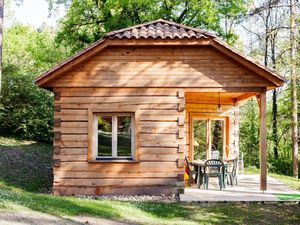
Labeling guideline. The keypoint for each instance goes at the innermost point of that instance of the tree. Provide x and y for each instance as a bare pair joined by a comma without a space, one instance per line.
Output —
293,78
87,20
271,14
1,37
26,111
249,132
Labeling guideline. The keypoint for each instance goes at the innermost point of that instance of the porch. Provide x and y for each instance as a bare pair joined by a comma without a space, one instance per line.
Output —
212,125
247,190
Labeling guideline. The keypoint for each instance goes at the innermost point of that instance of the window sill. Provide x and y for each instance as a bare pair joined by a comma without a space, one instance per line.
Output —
113,161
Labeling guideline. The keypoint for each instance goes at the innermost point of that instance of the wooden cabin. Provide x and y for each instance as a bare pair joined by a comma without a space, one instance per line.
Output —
126,107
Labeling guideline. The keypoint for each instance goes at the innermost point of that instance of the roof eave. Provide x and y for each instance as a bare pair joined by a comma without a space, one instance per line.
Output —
268,74
75,59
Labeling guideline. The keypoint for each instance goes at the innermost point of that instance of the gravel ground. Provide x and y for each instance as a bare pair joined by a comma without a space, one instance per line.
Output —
152,198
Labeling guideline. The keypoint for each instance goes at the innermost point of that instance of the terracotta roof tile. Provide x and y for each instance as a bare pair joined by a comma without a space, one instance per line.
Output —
158,29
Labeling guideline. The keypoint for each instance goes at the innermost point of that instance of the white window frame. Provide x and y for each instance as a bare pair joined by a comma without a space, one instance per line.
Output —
114,136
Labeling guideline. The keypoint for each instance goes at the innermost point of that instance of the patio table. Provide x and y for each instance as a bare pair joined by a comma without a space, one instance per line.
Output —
200,163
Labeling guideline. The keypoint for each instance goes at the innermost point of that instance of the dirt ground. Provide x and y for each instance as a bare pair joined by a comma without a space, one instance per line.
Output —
37,218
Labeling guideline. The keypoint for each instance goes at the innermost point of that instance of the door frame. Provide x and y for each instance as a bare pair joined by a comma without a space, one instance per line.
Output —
200,116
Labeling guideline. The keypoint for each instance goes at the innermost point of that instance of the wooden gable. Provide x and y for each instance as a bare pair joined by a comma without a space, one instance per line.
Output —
161,66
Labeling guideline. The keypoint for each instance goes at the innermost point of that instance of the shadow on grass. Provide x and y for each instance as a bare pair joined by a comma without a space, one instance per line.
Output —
27,166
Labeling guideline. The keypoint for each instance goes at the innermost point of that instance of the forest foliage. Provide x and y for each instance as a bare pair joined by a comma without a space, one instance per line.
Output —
27,111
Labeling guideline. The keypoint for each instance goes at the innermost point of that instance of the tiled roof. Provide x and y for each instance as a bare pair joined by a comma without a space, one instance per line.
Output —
158,29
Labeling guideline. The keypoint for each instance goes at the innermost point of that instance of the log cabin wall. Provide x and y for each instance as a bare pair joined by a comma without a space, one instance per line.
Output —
159,163
152,80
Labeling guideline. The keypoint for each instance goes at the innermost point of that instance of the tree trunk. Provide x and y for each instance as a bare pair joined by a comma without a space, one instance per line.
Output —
274,124
293,91
274,135
1,38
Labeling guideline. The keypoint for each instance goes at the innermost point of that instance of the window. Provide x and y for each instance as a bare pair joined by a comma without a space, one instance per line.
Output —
114,136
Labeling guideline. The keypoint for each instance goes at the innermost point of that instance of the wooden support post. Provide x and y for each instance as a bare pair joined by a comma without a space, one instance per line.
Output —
263,140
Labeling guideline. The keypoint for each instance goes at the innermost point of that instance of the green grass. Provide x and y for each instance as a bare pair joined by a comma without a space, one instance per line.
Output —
26,164
33,160
288,197
290,181
148,212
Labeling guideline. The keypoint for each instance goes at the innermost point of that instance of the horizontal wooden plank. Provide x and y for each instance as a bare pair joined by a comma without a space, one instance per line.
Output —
72,112
158,127
159,143
166,82
162,52
166,118
102,100
71,144
108,92
158,137
119,182
74,137
158,151
110,175
72,130
217,63
159,73
152,190
159,157
159,112
119,167
158,56
73,151
107,105
73,125
72,117
70,158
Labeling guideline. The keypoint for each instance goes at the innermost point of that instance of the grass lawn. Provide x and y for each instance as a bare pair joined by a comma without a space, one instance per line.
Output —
26,162
290,181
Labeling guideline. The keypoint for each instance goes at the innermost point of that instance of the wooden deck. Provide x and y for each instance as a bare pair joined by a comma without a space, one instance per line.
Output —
248,190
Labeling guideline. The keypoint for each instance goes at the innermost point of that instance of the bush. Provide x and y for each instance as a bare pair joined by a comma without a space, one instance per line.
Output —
281,166
25,110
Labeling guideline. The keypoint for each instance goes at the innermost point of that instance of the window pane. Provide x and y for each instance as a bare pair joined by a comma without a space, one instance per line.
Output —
124,135
217,138
200,139
104,136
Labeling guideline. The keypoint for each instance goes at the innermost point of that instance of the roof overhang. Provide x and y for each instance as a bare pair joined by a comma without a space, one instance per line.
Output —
187,37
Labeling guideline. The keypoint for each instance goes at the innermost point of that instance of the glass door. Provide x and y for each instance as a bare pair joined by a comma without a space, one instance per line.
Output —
200,139
208,138
217,138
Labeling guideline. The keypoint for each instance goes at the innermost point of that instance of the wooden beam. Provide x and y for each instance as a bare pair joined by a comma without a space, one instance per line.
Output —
156,42
244,97
225,89
263,141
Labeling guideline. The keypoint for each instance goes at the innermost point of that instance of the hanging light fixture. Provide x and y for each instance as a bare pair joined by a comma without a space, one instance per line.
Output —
219,109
